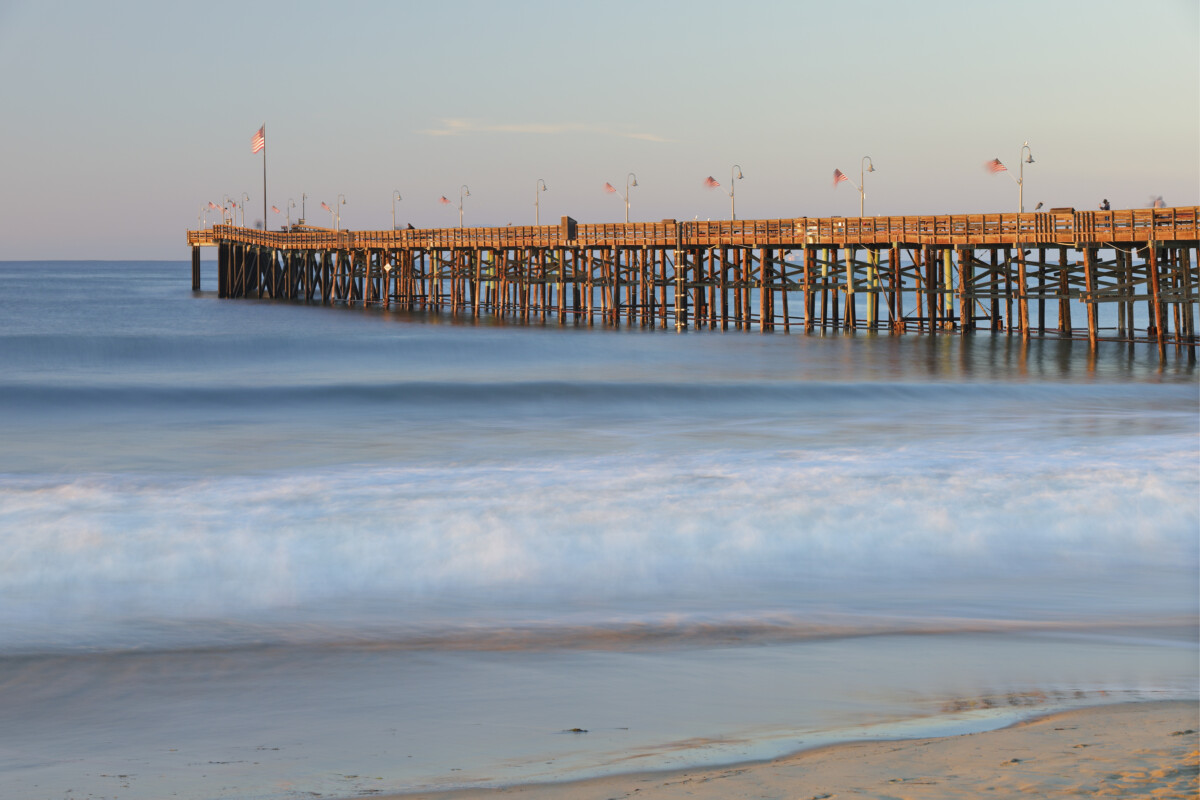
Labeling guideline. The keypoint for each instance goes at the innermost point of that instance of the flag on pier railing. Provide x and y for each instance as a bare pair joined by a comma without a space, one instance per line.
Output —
995,166
838,177
710,182
608,187
259,141
444,201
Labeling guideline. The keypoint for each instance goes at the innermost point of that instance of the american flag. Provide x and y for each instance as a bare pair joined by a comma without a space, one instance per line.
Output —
608,187
276,209
995,166
327,208
838,177
259,141
710,182
444,201
213,205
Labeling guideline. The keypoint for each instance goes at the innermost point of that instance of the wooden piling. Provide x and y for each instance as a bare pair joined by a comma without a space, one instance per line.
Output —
712,272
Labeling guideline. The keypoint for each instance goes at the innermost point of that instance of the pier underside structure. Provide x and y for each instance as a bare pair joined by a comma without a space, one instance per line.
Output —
1124,276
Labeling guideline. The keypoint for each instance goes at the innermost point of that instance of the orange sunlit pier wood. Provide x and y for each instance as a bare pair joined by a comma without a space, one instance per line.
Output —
1127,276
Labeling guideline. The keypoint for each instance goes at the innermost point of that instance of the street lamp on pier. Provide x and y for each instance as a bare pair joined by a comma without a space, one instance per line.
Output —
541,184
462,192
395,196
290,205
341,202
1026,157
862,181
246,199
735,173
627,185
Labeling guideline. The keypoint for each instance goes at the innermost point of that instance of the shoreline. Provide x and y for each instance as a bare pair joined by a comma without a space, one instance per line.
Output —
1136,749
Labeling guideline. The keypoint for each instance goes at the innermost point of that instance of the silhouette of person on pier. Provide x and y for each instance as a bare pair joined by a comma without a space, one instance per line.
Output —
1104,205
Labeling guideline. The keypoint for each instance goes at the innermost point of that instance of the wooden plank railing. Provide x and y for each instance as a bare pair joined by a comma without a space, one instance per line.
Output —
1065,227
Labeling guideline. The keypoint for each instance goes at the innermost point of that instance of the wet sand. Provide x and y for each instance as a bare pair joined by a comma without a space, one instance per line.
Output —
1142,750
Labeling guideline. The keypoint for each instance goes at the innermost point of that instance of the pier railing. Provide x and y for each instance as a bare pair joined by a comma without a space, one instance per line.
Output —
1060,227
1128,275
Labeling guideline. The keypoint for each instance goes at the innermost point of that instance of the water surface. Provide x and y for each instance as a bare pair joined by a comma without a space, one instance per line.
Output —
254,548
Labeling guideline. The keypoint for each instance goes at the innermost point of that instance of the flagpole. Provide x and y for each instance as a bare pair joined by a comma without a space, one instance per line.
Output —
266,227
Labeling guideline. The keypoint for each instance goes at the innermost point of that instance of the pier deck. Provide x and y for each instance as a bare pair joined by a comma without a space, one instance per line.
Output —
1125,275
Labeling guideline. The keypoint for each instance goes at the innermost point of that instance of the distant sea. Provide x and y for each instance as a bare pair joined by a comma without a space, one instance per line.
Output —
269,550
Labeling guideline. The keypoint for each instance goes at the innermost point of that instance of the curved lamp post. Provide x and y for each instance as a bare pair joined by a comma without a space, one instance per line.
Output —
537,196
627,186
246,199
290,205
1026,157
395,196
341,202
862,182
735,172
462,192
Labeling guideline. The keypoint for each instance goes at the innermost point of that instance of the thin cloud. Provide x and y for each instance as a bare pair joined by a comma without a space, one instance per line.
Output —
459,127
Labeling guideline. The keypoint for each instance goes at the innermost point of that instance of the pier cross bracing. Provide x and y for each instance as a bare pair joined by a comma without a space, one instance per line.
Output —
1124,276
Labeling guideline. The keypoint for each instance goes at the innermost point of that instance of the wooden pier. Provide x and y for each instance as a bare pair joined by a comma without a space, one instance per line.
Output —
1123,276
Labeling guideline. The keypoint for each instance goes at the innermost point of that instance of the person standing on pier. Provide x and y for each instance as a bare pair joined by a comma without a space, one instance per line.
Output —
1104,205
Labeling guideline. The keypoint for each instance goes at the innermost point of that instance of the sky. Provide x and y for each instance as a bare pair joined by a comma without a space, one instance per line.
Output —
120,121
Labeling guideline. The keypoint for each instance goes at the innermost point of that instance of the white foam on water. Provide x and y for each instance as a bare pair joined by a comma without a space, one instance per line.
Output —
998,535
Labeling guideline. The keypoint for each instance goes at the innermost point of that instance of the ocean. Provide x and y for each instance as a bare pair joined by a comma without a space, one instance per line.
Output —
267,550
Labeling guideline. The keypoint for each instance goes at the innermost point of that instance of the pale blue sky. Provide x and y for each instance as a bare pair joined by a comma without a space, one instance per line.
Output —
120,120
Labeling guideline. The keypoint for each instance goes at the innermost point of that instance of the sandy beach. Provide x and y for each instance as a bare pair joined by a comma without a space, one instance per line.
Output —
1142,750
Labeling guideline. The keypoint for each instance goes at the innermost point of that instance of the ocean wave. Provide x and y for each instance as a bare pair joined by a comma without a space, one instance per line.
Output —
585,396
1111,530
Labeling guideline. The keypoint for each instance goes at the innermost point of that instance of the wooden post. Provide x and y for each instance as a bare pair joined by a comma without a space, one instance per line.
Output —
896,289
920,292
1122,279
1176,283
476,282
783,291
590,266
966,303
680,291
1089,277
1152,267
834,290
736,264
711,277
764,292
851,318
1041,288
809,304
932,280
1189,320
947,294
1064,290
223,269
616,287
874,284
1022,292
724,289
